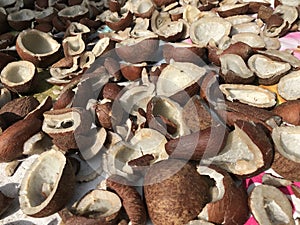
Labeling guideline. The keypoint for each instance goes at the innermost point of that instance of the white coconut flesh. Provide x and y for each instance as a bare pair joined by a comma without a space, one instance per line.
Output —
288,86
98,203
144,6
73,11
287,142
270,206
249,94
284,56
16,73
246,28
41,181
251,39
150,141
170,110
240,155
239,19
235,63
218,190
265,68
177,76
22,15
171,28
209,28
37,43
61,123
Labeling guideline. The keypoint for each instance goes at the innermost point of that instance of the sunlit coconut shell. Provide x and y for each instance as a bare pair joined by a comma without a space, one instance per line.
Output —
184,52
252,39
249,94
73,45
250,27
21,20
95,207
234,69
248,150
288,86
38,47
171,32
158,19
209,28
226,196
135,50
287,158
268,71
47,185
144,9
240,19
117,23
226,10
73,13
19,76
270,206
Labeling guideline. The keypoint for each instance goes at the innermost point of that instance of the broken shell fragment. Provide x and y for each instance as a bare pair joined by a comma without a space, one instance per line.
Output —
175,192
37,47
249,94
63,125
268,71
209,28
117,23
19,76
21,20
234,69
225,196
95,207
47,185
73,45
270,206
131,199
288,86
248,150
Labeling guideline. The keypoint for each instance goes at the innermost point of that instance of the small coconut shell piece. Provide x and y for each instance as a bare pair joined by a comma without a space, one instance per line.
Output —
73,45
171,32
37,47
226,10
144,9
111,91
234,69
47,185
64,125
226,195
209,28
136,50
19,76
95,207
178,80
73,13
175,192
253,40
288,86
249,94
289,111
132,71
268,71
248,150
184,52
287,158
270,206
117,23
131,199
269,179
198,145
21,20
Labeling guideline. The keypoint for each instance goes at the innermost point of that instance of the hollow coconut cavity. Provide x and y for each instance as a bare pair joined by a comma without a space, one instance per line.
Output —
41,183
18,75
270,206
37,43
98,204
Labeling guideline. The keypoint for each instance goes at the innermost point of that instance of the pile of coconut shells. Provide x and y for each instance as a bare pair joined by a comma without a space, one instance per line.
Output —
164,108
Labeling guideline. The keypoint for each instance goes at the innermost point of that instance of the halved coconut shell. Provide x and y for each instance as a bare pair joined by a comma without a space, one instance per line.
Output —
171,32
270,206
226,196
252,39
73,13
136,50
234,69
288,86
37,47
226,10
117,23
268,71
95,207
144,9
46,15
249,94
47,185
19,76
286,140
248,150
209,28
21,20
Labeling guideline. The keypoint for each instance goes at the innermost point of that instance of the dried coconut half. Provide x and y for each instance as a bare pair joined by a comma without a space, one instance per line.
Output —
288,86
